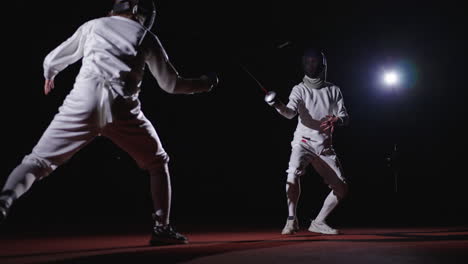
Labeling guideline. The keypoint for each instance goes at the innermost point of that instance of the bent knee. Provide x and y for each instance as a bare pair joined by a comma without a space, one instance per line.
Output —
157,162
340,190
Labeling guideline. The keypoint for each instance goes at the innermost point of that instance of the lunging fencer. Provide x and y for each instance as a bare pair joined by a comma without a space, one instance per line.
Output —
104,102
320,107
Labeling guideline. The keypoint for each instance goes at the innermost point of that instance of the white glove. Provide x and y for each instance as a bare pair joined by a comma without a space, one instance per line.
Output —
270,98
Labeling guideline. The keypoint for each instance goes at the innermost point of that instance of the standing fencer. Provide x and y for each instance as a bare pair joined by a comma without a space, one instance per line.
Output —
320,107
104,101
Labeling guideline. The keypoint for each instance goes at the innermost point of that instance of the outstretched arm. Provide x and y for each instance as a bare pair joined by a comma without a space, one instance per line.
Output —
289,111
167,76
285,111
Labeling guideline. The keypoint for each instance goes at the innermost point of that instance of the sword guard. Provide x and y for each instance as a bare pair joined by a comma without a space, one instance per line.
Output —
270,97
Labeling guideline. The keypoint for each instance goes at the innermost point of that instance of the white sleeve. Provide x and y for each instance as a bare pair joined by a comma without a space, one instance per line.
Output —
340,110
284,110
295,98
290,110
165,73
66,53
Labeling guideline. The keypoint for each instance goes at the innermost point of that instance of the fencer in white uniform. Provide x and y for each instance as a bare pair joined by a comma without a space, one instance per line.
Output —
320,107
104,101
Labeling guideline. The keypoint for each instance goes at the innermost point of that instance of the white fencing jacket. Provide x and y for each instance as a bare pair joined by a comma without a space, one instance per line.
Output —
112,48
313,100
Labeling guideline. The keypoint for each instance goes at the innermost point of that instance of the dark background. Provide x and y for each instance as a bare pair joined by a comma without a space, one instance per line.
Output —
229,150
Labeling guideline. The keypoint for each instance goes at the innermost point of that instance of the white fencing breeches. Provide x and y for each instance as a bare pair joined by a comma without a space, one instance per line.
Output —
92,109
327,166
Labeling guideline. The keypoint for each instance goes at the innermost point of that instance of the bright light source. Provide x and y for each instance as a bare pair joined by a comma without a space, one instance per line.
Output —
391,78
394,76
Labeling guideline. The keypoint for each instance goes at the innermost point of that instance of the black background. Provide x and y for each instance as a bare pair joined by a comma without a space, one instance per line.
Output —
229,150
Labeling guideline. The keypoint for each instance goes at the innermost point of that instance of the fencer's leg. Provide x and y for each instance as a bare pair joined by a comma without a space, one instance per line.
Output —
329,205
3,210
319,225
328,167
19,182
74,126
161,193
138,137
296,167
338,193
293,192
297,163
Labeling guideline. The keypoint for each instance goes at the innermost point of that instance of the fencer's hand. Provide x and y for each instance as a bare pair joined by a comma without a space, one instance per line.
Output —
212,80
270,98
328,123
48,86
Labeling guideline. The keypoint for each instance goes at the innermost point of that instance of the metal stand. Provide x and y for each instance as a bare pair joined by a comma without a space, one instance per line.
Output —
392,160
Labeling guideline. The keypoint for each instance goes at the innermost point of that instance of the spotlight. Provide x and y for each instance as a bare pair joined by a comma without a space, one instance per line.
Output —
391,78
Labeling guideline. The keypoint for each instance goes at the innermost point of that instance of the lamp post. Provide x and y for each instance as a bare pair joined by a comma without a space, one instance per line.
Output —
392,80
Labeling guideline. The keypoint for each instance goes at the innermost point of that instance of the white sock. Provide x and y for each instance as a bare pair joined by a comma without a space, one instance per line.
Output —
19,181
293,191
328,205
161,193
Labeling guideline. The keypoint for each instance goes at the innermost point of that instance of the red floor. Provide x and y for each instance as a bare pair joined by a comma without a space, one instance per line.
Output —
396,245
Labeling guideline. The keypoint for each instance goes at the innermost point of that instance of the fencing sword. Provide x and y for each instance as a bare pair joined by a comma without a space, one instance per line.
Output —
270,95
255,79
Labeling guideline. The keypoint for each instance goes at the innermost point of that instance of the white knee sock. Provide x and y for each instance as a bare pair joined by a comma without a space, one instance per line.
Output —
161,193
293,191
19,181
328,205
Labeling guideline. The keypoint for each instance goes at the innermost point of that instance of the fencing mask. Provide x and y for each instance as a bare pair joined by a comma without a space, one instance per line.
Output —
143,10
